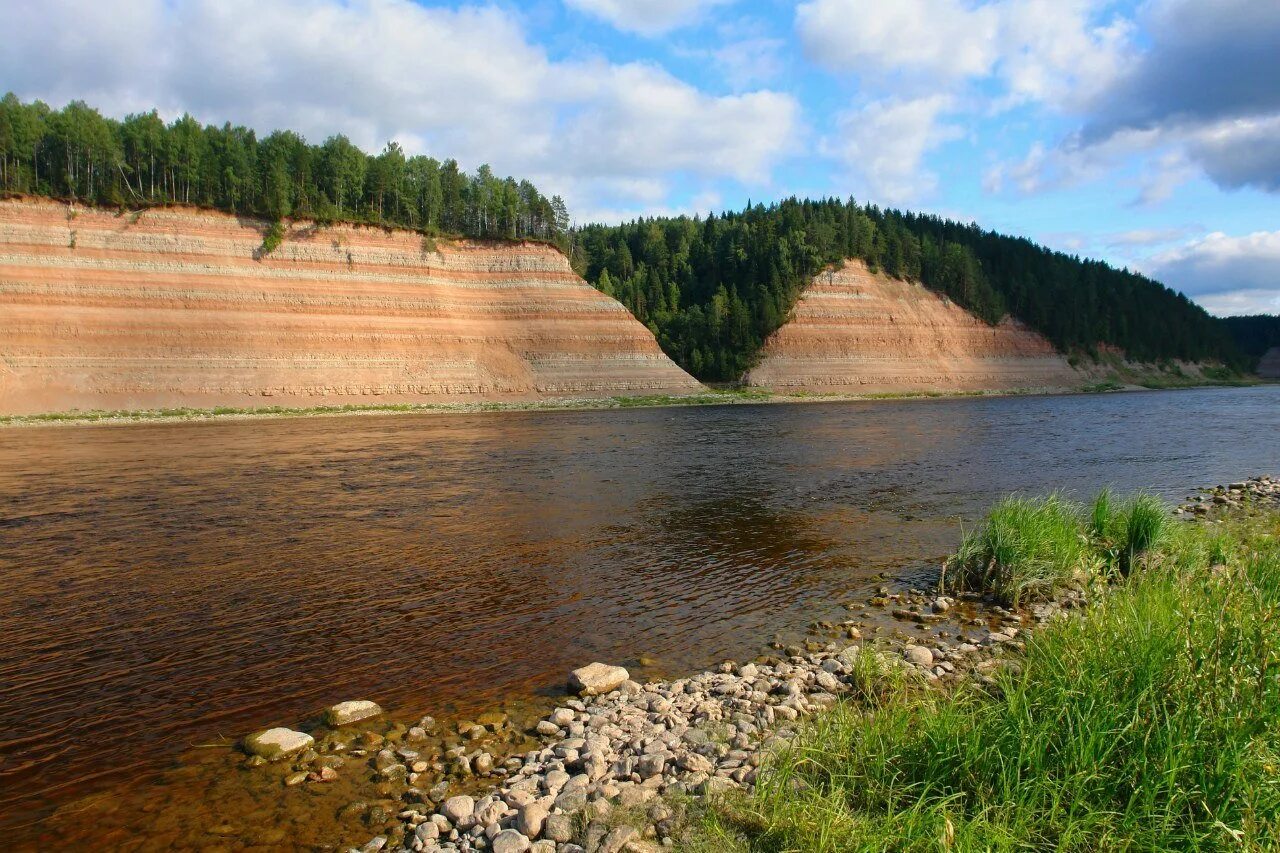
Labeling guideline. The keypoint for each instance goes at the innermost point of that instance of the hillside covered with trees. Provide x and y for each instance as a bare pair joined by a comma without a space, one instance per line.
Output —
1254,334
77,153
713,289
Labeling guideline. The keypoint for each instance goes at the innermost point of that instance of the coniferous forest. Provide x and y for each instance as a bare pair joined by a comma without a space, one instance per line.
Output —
1254,334
77,153
713,289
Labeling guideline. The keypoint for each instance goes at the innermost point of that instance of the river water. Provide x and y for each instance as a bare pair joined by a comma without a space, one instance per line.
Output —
162,585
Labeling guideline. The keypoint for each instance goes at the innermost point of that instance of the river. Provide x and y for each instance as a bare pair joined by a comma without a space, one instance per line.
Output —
165,584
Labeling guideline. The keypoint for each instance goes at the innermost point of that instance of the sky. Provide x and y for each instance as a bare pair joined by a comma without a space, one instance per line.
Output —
1143,133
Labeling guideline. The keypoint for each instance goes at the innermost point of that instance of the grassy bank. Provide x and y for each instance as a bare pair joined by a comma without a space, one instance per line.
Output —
1149,722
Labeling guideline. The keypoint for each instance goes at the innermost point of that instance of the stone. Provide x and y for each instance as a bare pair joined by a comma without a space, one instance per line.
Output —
295,778
346,713
918,655
617,839
530,819
458,808
561,717
651,764
274,744
509,841
558,827
596,679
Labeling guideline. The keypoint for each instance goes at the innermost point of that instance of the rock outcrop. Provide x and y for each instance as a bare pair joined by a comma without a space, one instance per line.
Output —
179,307
854,331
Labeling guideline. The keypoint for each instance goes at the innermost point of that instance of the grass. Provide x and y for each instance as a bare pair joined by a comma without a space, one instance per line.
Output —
1025,550
713,397
1149,722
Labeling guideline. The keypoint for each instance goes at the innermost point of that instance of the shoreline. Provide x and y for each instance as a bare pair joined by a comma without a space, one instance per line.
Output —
712,397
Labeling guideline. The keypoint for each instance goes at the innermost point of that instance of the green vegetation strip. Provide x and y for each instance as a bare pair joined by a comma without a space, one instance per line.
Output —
1149,722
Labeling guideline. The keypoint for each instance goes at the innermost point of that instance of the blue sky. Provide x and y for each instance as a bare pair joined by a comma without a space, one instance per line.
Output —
1146,133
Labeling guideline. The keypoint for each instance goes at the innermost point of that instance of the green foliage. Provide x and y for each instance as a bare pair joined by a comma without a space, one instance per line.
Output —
271,238
1254,335
1149,722
77,153
1025,549
713,289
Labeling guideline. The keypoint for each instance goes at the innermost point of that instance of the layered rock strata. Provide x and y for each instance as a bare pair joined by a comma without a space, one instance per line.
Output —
854,331
180,307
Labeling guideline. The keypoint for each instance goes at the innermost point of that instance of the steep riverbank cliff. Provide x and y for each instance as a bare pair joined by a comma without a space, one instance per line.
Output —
179,307
854,331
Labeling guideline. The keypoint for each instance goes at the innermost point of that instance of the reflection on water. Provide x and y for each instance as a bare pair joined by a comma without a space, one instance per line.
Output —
162,584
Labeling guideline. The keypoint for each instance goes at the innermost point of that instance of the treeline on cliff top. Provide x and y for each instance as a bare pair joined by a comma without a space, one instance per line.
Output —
713,289
77,153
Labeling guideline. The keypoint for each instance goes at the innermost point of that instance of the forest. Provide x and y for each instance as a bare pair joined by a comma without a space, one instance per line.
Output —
1254,334
76,153
713,289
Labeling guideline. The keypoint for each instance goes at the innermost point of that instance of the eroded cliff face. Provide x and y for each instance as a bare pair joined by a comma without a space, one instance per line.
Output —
855,332
174,307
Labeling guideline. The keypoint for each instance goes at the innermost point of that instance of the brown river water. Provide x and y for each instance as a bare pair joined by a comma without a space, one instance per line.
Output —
163,586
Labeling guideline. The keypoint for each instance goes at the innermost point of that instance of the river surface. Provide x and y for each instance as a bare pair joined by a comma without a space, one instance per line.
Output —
162,585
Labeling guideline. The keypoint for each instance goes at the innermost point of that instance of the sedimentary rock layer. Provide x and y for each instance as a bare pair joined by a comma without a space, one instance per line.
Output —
178,307
854,331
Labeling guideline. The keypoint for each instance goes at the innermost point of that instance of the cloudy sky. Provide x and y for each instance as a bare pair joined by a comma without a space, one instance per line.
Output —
1146,133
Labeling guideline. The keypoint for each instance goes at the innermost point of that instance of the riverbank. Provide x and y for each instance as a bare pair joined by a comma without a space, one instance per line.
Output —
1086,620
712,397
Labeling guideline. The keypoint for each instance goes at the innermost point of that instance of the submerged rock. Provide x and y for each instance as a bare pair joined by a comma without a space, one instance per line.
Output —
273,744
596,679
345,713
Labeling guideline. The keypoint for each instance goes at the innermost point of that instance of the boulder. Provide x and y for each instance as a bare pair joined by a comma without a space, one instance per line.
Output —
346,713
509,841
918,655
273,744
458,809
596,679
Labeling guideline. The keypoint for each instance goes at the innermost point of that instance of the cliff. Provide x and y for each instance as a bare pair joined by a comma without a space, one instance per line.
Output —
853,331
175,307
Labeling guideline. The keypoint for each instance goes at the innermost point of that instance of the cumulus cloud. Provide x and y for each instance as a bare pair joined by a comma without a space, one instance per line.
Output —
939,37
466,83
1223,273
1201,98
1042,50
647,17
884,143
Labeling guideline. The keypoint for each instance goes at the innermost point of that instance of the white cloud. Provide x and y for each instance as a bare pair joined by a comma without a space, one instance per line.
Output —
463,83
939,37
1201,94
884,144
1040,50
1223,273
647,17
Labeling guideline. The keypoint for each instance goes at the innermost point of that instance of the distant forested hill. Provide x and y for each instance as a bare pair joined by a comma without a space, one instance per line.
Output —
1254,335
713,289
77,153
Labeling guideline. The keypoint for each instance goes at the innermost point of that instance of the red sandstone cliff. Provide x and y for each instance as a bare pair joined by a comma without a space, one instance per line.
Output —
170,307
854,331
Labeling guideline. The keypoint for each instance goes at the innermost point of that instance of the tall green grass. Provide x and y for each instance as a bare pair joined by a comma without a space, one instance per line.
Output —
1028,548
1024,550
1149,722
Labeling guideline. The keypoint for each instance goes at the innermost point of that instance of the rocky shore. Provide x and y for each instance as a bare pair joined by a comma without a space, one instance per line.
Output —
612,768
